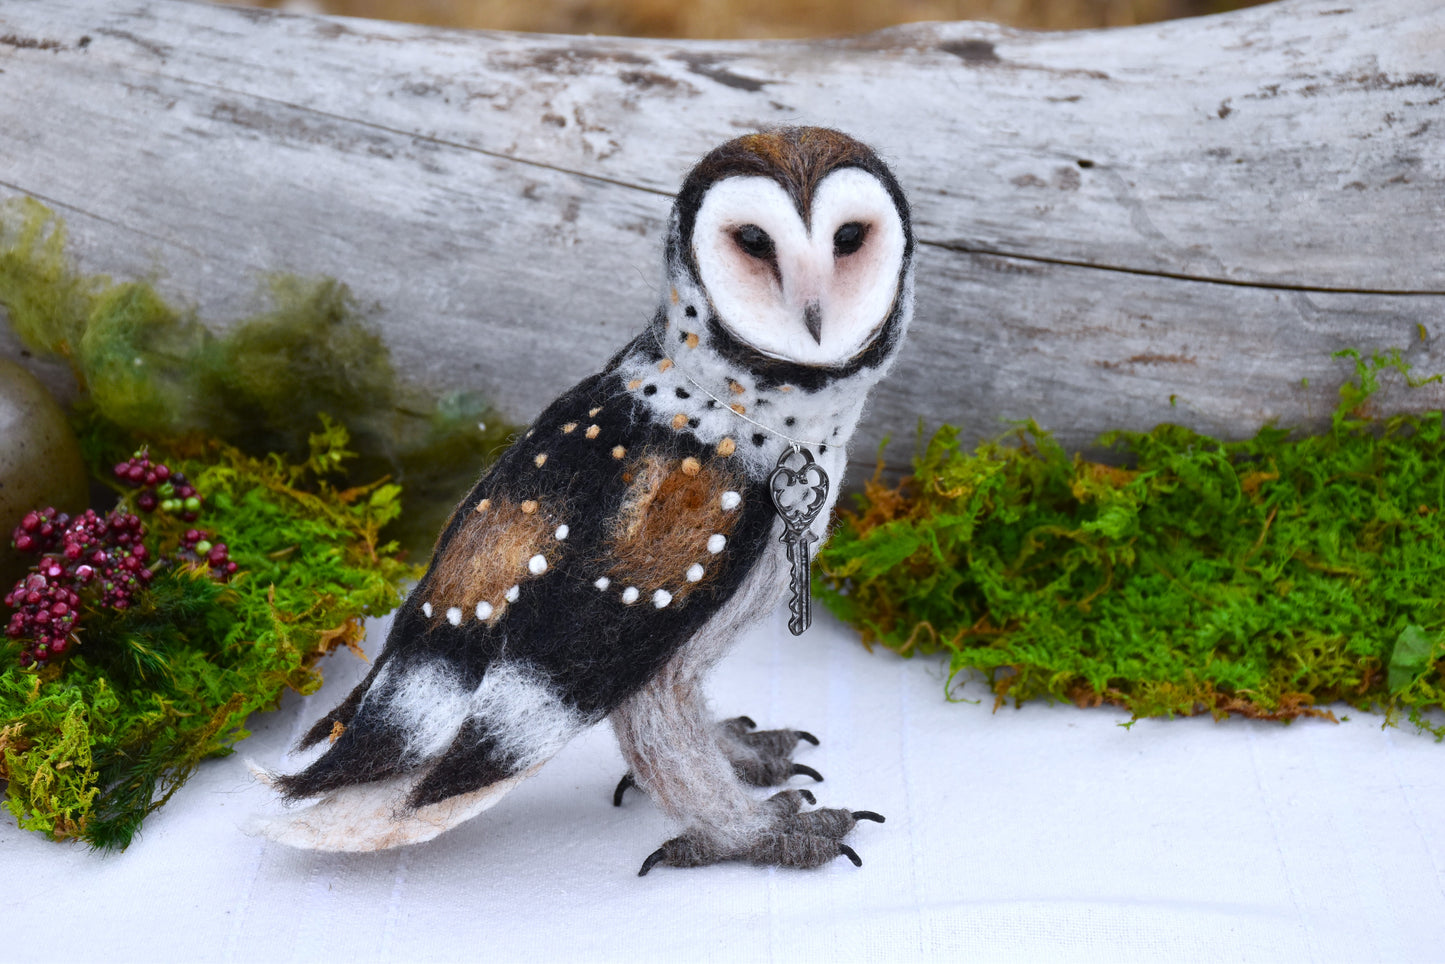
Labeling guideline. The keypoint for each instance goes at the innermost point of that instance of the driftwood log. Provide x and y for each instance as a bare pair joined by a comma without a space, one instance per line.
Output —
1176,222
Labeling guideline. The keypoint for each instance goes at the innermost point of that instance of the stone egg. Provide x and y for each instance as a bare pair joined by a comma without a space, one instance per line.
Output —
40,462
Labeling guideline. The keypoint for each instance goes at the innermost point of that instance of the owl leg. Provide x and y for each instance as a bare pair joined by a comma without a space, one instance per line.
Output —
672,747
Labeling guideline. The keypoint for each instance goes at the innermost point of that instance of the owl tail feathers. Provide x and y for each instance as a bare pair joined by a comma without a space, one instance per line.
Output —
372,816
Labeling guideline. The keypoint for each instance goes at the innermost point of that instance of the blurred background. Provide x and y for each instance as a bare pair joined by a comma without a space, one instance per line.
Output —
751,18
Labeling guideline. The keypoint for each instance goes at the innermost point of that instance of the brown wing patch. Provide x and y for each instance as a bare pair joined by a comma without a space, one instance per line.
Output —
491,553
671,510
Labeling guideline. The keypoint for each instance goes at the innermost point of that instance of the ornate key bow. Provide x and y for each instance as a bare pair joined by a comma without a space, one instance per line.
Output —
799,488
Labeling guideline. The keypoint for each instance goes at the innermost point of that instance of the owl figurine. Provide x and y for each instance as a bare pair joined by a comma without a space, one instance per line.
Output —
653,512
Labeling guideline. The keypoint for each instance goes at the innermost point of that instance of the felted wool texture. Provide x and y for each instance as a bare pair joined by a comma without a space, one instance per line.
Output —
762,758
590,646
630,534
374,816
669,737
498,545
760,298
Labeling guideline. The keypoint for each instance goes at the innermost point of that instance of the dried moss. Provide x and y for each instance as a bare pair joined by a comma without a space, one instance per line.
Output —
90,745
161,373
1264,578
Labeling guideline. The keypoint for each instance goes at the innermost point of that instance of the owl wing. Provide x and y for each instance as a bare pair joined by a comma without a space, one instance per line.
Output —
596,546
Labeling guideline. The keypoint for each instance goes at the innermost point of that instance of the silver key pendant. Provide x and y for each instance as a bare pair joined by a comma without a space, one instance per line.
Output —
799,488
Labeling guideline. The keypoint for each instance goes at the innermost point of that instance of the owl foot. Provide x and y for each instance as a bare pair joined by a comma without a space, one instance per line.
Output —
791,838
761,758
764,758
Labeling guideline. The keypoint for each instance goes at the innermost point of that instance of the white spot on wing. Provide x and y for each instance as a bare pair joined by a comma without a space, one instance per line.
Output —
537,564
454,616
629,595
661,598
426,610
603,583
484,610
730,501
562,531
694,572
513,593
715,542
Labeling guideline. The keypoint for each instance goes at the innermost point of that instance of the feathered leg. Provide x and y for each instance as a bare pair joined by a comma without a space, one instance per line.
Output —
671,744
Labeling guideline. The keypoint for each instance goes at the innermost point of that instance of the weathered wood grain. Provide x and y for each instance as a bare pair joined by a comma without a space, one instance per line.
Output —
1173,222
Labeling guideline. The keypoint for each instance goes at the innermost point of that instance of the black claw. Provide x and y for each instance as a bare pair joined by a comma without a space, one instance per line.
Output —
867,815
748,722
843,849
622,786
805,735
807,795
657,855
807,771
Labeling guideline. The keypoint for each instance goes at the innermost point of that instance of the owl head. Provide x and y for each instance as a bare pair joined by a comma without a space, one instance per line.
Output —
791,253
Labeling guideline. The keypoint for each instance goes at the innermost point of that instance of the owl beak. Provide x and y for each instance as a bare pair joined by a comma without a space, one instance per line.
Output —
813,319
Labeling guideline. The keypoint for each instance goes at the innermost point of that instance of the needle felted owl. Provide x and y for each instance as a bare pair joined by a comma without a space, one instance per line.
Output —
652,512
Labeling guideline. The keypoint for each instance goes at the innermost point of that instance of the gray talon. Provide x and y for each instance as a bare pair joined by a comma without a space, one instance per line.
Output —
808,796
850,853
867,815
800,769
747,721
805,735
622,785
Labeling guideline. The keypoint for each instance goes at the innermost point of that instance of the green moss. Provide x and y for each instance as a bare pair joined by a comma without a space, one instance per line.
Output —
93,743
162,374
1264,578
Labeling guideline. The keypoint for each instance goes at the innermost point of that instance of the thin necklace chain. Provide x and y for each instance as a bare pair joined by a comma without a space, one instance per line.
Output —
795,443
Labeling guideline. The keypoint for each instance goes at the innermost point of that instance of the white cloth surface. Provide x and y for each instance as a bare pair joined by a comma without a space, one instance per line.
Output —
1041,833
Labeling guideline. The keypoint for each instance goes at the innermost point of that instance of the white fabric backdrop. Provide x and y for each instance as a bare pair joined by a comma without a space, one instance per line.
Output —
1041,833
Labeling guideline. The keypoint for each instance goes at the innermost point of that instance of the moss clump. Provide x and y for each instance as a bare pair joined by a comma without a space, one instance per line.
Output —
91,744
161,373
1262,578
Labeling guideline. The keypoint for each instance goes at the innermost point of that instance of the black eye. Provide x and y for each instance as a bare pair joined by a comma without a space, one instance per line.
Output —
849,238
755,241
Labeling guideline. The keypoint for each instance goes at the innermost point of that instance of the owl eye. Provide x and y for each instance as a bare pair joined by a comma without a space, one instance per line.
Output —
849,238
755,241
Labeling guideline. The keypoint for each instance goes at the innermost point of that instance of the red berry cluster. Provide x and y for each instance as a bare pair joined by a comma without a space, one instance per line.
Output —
197,542
103,556
165,490
45,612
40,531
104,551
